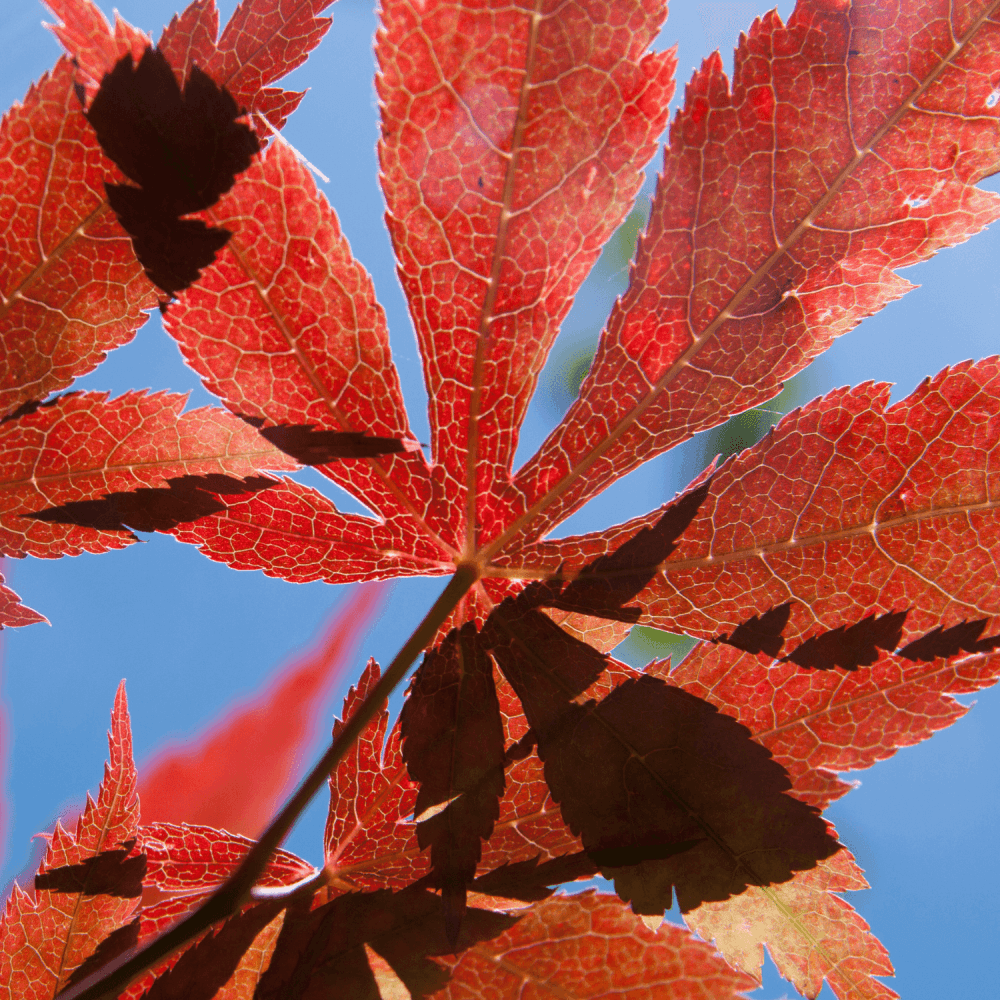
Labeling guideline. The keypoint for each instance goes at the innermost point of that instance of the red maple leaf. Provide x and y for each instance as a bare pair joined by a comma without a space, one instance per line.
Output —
843,569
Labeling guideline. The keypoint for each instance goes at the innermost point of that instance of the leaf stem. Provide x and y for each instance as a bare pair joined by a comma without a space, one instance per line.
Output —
236,891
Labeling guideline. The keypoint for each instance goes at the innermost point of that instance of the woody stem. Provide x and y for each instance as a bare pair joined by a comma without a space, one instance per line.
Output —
232,894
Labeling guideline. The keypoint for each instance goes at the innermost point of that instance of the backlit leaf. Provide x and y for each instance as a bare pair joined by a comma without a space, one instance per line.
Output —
88,884
588,947
87,447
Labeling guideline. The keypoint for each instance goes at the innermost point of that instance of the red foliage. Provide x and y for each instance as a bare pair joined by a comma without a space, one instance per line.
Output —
235,774
842,571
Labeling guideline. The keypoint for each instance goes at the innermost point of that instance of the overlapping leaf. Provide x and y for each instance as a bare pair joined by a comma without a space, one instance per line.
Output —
87,886
810,933
667,795
96,453
453,744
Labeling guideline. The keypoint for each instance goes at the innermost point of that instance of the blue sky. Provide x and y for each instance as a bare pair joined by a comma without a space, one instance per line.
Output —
191,635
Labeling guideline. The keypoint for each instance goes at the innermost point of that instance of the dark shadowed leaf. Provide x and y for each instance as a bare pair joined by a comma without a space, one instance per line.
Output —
185,499
607,584
312,447
963,637
762,633
321,953
668,795
183,148
453,744
172,251
110,873
207,966
851,646
653,767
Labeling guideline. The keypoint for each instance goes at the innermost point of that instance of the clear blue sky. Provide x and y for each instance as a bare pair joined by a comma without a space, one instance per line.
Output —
191,635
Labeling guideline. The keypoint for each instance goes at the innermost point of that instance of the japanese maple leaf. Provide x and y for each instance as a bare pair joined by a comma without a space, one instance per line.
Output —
71,287
847,145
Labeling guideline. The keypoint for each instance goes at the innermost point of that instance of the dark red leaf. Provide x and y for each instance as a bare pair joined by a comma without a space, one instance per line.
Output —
186,498
172,251
115,944
761,633
947,642
207,966
110,873
322,952
453,744
679,794
603,587
851,646
184,150
817,723
314,447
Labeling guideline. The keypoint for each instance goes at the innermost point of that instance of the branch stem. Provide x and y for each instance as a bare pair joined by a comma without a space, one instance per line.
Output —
236,891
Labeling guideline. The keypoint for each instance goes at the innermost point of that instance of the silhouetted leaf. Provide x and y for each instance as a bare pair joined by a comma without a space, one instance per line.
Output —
653,770
453,744
312,447
533,880
851,646
609,582
963,637
206,966
762,633
321,952
172,251
110,873
186,498
184,150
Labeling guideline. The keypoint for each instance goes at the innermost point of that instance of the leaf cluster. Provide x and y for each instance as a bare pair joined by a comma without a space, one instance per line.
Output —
824,571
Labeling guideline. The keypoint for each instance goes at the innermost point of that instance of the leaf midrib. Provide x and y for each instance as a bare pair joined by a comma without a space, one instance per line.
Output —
871,528
486,312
